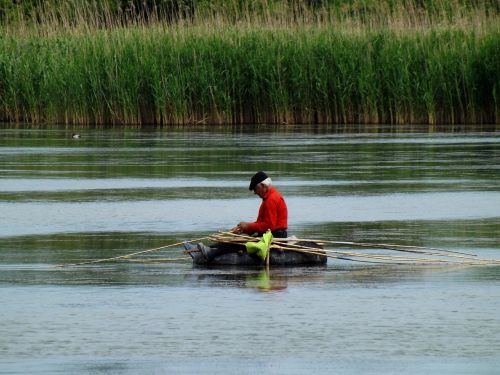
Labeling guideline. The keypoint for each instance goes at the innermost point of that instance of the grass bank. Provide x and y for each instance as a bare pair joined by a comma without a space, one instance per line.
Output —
265,70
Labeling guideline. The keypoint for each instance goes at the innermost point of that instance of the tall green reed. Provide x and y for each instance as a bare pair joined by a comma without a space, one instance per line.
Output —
157,75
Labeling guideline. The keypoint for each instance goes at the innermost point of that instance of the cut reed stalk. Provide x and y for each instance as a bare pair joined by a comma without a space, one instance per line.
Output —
396,247
387,258
284,244
390,259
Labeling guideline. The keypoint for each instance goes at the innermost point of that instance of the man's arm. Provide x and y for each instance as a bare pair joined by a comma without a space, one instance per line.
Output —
268,216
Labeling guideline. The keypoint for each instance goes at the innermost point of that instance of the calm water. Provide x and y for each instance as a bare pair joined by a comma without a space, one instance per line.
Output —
114,192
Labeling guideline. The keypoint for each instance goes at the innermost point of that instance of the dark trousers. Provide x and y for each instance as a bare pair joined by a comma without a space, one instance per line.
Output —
280,233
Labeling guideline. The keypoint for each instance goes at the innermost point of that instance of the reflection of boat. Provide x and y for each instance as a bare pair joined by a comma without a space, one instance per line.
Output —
221,254
259,278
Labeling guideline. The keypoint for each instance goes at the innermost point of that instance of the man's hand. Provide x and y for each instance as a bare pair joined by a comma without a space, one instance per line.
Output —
241,228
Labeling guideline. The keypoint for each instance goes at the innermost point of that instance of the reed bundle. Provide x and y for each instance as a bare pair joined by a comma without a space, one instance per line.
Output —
419,254
427,255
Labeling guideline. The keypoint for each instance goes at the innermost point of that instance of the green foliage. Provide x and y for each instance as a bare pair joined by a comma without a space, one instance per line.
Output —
153,75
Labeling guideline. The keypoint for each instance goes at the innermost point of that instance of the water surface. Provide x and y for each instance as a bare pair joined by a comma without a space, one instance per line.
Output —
117,191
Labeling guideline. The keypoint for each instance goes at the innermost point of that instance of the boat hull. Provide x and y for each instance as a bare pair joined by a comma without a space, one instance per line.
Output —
237,256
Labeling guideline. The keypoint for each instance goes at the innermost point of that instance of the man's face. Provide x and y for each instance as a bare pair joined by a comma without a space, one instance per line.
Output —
260,190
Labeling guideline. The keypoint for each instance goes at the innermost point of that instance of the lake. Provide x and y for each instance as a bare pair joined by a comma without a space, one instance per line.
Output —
117,191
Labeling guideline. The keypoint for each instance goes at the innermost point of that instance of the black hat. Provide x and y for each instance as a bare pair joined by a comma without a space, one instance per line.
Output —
257,179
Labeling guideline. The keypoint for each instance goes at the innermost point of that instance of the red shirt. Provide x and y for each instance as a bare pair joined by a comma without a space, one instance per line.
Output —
273,213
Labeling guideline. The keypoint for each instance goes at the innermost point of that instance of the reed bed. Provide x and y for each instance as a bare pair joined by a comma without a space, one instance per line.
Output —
278,64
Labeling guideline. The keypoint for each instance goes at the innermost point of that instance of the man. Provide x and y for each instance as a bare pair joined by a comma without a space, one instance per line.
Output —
273,212
273,215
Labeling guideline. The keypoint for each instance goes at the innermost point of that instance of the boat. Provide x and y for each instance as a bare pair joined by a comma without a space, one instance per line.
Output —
222,254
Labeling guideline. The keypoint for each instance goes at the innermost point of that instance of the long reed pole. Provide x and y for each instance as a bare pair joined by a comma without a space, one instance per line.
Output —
360,244
131,254
445,253
284,244
392,258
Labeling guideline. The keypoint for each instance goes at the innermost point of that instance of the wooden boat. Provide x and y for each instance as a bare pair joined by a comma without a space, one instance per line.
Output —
235,255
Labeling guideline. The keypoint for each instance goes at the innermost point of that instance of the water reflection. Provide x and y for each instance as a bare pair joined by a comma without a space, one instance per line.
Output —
260,279
265,283
337,273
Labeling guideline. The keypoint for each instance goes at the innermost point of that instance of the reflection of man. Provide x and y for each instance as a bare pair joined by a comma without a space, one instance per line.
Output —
273,213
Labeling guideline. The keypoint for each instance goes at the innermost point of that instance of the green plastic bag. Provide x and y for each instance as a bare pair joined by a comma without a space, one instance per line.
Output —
260,248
